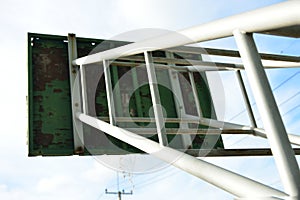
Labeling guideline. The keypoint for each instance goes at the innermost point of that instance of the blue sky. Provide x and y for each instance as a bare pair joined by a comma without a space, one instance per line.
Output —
83,177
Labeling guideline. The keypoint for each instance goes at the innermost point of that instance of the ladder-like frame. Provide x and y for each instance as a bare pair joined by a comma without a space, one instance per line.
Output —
276,19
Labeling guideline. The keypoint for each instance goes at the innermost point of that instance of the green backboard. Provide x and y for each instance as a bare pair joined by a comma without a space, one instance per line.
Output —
50,111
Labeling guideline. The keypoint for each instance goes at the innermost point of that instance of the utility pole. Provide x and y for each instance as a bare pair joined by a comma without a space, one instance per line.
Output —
119,193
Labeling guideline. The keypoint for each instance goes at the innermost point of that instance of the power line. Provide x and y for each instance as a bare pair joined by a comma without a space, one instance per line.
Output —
238,141
274,89
119,193
289,46
286,101
285,81
292,109
290,98
155,179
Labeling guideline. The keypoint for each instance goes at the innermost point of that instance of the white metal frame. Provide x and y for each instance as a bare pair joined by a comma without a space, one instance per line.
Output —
241,26
180,109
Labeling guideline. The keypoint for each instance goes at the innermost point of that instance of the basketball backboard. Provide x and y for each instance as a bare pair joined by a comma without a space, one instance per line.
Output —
51,128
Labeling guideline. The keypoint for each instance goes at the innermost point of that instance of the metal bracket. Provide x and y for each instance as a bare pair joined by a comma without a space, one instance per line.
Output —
75,96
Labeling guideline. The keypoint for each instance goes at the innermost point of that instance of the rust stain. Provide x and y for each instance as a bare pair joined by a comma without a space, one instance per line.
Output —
43,139
57,90
38,98
41,109
49,66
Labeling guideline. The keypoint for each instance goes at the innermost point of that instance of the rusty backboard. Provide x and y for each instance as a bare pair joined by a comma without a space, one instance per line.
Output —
49,97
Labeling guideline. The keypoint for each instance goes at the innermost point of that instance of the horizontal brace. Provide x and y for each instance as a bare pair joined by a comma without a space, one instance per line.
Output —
176,61
189,119
204,66
215,65
195,65
148,119
174,131
232,152
224,127
294,139
230,53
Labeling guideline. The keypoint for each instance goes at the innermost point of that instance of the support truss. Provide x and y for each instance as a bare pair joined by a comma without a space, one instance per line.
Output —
280,19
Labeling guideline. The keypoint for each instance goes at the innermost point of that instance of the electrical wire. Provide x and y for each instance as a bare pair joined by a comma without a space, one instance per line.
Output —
157,177
288,47
292,109
285,81
274,89
284,102
238,141
100,196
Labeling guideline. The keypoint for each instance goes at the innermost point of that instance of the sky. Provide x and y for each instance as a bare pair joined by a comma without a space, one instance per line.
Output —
84,177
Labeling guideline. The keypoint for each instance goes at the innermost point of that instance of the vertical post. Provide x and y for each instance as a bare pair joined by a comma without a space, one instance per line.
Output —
75,97
119,195
246,99
109,92
83,90
281,148
180,109
195,93
158,113
138,99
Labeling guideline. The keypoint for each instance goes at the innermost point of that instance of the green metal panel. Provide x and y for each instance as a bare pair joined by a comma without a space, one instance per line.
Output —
50,116
50,124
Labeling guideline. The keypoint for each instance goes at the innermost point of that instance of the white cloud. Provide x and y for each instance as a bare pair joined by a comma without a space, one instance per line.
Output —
52,184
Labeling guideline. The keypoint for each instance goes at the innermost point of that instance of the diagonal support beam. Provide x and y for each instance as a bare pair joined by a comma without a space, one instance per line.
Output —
283,154
157,108
246,98
231,182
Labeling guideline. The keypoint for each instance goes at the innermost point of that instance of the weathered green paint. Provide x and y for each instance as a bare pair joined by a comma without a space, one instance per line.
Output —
50,118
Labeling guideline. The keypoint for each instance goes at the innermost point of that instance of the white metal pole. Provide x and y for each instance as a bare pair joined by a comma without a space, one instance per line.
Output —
264,19
231,182
195,94
294,139
157,108
83,89
75,95
246,98
179,104
109,92
281,148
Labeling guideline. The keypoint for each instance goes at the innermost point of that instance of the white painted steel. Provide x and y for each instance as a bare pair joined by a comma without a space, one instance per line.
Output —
195,94
294,139
75,98
156,104
272,17
179,104
109,92
281,148
246,99
83,89
265,19
231,182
